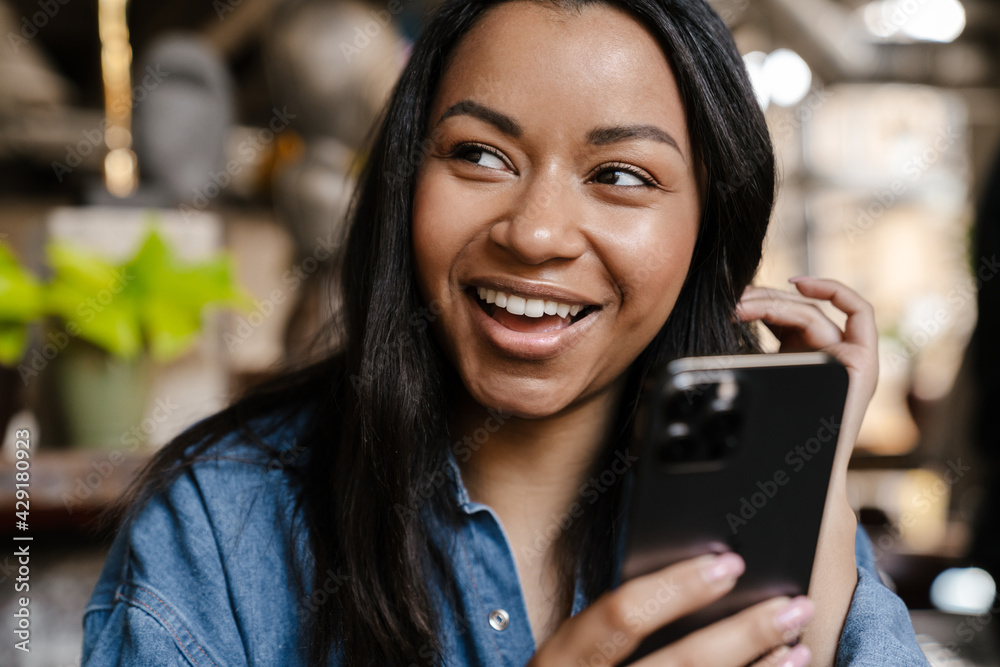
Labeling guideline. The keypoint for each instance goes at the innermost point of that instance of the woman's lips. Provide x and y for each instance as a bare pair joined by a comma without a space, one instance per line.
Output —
533,338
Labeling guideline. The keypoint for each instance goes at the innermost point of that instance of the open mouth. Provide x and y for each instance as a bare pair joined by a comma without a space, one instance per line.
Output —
526,314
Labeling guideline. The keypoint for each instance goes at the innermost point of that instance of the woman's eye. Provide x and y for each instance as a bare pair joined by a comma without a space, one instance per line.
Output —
619,177
481,157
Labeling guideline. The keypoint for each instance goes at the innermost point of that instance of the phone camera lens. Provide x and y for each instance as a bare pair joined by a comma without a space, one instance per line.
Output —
722,429
678,430
687,402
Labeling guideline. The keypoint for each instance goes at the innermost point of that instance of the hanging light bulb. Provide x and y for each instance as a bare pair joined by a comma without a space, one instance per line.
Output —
787,77
936,21
120,165
927,20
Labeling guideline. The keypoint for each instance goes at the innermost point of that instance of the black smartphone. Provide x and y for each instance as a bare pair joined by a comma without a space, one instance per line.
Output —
734,454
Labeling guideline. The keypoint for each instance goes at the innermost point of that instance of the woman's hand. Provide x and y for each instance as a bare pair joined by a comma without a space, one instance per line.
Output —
610,629
801,326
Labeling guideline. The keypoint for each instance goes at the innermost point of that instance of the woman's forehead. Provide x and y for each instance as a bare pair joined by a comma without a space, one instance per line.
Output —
595,65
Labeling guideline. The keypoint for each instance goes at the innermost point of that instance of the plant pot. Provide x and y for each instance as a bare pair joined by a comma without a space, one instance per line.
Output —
102,396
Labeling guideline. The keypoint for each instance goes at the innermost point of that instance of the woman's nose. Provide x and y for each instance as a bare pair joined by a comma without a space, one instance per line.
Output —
544,222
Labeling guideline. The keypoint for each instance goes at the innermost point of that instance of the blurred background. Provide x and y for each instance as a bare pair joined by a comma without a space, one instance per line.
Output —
172,181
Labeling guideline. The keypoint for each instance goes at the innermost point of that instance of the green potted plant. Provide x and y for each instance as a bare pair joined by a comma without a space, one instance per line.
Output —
20,305
118,319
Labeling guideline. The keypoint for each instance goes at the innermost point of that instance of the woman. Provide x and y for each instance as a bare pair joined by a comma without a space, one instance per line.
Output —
559,196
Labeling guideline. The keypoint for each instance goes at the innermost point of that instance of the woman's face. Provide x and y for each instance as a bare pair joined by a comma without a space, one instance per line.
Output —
559,178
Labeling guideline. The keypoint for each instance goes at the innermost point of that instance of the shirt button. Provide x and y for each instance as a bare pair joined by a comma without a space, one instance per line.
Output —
499,619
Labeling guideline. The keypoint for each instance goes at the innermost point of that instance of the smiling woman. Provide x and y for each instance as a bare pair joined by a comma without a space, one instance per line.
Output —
576,191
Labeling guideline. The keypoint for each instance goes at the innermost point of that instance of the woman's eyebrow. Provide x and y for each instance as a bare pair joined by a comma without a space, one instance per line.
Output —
501,121
609,135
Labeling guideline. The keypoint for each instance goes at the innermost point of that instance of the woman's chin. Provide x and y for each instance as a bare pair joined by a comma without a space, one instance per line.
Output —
525,403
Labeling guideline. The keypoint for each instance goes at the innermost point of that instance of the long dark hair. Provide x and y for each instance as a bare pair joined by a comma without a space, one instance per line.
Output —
377,431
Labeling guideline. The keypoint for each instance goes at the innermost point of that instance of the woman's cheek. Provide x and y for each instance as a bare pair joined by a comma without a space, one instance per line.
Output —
434,234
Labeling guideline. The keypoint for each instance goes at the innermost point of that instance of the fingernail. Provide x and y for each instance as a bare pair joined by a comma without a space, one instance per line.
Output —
795,614
796,279
723,566
798,657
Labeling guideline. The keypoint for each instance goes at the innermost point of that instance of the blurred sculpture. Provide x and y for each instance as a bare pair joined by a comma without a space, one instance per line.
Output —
333,65
182,118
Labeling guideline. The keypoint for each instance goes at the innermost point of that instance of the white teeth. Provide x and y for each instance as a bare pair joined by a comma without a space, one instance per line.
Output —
534,308
515,304
519,305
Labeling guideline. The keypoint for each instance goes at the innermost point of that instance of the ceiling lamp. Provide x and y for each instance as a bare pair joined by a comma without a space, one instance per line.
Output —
781,76
919,20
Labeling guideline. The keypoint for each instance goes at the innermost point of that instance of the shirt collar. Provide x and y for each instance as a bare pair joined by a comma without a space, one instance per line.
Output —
459,493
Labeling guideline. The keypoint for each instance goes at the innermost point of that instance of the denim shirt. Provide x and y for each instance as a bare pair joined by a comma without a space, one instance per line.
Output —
203,576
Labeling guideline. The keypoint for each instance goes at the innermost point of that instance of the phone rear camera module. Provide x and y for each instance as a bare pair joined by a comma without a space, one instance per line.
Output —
700,423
